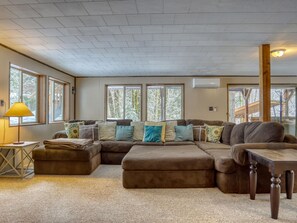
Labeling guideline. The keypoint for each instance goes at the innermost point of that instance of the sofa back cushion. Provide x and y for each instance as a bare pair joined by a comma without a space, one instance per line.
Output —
163,124
152,133
138,130
88,132
226,134
170,131
237,134
120,121
107,131
124,133
202,122
257,132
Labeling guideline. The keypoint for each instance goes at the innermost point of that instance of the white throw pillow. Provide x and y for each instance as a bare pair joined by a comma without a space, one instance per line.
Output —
107,131
170,131
138,130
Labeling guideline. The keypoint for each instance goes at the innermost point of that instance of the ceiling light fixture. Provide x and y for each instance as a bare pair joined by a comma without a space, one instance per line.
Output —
278,52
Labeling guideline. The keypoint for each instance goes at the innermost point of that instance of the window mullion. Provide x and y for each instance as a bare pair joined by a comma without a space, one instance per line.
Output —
54,101
124,108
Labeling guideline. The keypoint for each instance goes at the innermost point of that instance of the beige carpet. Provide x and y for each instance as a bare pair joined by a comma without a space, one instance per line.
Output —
100,197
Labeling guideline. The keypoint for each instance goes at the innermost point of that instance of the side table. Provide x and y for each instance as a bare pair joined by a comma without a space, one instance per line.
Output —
278,162
16,159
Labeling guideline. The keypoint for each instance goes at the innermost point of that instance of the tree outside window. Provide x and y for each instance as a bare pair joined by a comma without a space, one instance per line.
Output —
164,102
24,88
124,102
56,100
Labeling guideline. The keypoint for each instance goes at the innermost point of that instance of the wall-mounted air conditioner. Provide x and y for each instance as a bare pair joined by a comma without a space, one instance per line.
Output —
206,83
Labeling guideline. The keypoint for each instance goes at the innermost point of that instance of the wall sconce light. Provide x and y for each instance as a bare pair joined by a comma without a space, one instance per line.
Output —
278,52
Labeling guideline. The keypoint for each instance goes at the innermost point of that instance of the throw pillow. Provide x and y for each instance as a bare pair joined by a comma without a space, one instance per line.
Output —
163,124
184,133
107,131
72,129
138,130
213,133
170,131
88,132
152,133
199,133
124,133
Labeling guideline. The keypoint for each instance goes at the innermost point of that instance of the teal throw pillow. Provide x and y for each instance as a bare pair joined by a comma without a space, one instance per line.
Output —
124,133
184,133
152,133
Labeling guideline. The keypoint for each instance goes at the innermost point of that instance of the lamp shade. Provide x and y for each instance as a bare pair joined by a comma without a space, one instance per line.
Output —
18,109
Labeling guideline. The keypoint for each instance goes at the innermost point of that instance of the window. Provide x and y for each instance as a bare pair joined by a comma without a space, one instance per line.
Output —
164,102
244,105
56,95
124,102
24,87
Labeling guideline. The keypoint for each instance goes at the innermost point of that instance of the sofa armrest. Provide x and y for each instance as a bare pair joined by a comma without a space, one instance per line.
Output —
60,134
290,138
240,156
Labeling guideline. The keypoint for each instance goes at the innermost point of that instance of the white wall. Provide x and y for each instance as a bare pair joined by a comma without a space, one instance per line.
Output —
91,93
34,132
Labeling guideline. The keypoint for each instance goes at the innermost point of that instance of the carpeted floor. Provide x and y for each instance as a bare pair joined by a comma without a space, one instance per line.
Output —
100,197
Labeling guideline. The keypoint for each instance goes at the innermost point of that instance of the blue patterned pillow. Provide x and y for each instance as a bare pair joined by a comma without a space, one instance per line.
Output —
152,133
184,133
124,133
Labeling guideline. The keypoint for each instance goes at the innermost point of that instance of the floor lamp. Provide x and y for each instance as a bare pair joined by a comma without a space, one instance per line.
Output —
18,109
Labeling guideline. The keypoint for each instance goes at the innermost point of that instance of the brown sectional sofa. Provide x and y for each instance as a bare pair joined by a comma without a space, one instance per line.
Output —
150,165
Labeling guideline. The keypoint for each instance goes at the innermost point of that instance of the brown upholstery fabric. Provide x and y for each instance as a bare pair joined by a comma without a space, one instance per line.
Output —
86,122
188,157
237,134
179,143
226,134
112,158
148,143
290,138
116,146
256,132
59,167
168,179
66,155
202,122
210,145
223,160
120,121
181,122
240,155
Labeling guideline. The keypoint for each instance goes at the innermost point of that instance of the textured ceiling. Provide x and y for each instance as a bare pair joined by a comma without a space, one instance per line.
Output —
152,37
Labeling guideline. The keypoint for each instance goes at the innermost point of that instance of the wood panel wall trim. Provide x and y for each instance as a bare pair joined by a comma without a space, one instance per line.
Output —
264,82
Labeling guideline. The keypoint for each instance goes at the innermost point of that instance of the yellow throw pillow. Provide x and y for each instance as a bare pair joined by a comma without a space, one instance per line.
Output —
163,124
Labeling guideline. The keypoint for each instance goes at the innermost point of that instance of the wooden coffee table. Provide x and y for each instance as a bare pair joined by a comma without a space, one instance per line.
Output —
278,162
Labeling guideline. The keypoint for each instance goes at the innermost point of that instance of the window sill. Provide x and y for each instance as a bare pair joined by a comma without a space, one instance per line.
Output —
29,124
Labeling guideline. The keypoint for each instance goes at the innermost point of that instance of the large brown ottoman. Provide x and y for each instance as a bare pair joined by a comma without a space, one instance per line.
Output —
167,167
70,162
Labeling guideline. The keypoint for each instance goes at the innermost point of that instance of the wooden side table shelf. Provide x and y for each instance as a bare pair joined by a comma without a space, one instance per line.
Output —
278,162
16,159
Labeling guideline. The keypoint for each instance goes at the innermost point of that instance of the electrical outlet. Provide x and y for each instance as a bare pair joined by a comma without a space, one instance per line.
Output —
1,102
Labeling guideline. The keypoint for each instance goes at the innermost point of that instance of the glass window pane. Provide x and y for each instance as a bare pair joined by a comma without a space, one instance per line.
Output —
115,102
15,90
133,103
29,97
59,102
51,100
174,102
154,103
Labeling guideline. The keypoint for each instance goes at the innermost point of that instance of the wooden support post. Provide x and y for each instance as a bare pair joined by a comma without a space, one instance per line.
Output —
264,82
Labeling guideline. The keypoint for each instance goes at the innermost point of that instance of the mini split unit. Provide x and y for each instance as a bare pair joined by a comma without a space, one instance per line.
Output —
206,83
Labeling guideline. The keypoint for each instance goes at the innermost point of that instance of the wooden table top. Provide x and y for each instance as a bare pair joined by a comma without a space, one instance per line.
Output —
282,155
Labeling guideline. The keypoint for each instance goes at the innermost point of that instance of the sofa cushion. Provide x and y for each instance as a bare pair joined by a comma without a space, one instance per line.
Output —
199,133
223,160
72,129
237,134
60,134
170,131
66,155
124,133
107,131
213,133
202,122
226,134
257,132
184,133
88,132
179,143
116,146
152,133
163,124
120,121
167,158
209,146
148,143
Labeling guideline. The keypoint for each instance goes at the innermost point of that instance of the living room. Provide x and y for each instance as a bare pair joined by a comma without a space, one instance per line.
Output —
78,54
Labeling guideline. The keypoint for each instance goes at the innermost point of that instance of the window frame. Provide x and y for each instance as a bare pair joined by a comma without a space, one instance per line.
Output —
65,116
163,101
39,77
124,103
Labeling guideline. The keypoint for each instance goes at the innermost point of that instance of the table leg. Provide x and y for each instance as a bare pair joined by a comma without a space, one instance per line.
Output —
253,180
289,183
275,195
